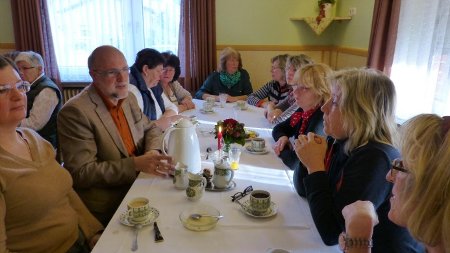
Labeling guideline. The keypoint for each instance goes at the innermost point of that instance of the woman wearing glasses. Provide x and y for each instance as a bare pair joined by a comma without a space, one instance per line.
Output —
39,211
420,196
311,90
352,163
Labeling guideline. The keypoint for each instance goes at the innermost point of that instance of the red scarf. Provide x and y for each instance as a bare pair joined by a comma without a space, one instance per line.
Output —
305,116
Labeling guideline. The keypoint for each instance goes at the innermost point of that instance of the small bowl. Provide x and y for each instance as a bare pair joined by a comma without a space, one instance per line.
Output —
202,224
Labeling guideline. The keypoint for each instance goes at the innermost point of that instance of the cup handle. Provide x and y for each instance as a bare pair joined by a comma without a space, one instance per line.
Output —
232,176
203,182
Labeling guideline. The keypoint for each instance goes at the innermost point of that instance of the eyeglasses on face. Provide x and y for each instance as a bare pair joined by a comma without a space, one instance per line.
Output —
397,165
22,86
25,68
112,73
240,195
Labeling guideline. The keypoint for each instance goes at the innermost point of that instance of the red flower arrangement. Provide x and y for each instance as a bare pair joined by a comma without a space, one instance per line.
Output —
232,131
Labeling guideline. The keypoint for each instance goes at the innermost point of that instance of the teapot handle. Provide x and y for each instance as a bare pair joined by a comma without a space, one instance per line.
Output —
163,144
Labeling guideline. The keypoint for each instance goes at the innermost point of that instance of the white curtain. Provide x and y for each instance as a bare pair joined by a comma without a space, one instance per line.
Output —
79,26
421,66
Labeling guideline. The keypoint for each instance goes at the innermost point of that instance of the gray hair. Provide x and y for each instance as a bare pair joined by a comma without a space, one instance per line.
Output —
33,58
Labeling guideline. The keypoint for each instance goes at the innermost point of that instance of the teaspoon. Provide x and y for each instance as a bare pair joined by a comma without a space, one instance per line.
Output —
134,246
197,216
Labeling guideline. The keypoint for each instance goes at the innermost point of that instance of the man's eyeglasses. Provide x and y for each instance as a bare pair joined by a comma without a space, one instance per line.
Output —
397,165
112,73
22,86
240,195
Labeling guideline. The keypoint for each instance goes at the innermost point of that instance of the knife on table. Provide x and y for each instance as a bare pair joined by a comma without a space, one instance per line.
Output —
158,236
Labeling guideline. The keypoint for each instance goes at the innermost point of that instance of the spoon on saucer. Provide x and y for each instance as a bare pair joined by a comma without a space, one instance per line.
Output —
197,216
134,246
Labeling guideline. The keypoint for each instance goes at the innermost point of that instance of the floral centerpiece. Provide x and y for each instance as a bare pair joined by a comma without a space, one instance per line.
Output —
231,131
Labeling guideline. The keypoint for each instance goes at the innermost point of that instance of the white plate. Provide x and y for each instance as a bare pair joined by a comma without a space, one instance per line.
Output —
251,151
154,214
245,207
206,112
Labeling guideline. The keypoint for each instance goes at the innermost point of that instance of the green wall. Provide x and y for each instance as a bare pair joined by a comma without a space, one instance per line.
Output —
266,22
6,24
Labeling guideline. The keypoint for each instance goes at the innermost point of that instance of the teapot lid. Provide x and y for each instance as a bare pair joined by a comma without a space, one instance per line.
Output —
184,123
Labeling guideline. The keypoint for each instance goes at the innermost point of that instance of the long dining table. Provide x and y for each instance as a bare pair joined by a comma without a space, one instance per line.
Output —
291,228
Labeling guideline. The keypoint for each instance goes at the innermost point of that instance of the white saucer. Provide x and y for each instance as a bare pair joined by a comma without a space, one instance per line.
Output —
206,112
231,186
251,151
154,213
245,207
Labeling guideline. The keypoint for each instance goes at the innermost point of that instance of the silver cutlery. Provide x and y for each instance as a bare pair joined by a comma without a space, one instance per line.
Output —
134,246
158,236
197,216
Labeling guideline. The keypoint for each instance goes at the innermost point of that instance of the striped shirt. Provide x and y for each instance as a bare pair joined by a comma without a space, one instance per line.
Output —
272,91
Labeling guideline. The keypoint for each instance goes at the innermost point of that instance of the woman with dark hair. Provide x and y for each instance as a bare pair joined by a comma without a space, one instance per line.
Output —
144,77
169,82
231,79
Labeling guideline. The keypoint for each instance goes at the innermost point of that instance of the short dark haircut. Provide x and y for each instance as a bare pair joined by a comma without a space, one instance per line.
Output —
172,61
149,57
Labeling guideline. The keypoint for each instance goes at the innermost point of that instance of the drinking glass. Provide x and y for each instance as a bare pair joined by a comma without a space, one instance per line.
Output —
223,99
234,155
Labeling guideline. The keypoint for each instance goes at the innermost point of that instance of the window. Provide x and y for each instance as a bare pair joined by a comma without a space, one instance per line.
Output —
421,66
79,26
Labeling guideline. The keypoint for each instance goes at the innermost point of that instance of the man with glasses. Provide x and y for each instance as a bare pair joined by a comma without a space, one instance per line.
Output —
44,98
105,138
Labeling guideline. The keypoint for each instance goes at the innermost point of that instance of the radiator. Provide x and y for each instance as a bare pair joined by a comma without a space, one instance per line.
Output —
70,92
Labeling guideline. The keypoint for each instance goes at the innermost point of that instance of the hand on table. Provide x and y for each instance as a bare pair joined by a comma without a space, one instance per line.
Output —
154,163
311,150
272,115
166,122
188,103
280,144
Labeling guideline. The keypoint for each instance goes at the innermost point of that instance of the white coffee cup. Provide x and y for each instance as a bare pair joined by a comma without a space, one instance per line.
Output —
241,104
258,144
138,209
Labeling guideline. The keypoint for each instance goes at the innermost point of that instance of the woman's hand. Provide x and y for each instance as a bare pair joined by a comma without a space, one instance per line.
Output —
272,115
188,103
311,150
360,218
280,145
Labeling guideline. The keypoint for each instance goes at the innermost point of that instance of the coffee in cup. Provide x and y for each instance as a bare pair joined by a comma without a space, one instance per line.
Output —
138,209
260,202
258,144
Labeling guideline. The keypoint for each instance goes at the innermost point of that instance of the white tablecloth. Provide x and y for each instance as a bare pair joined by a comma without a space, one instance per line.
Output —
291,229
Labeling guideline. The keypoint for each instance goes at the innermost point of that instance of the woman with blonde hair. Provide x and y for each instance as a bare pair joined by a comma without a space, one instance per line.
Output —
421,190
311,90
351,164
231,79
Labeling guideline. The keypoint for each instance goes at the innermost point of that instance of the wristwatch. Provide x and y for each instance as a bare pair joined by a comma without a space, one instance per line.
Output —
351,243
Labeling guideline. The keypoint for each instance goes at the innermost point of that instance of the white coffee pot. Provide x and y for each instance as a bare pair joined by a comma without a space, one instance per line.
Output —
183,145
